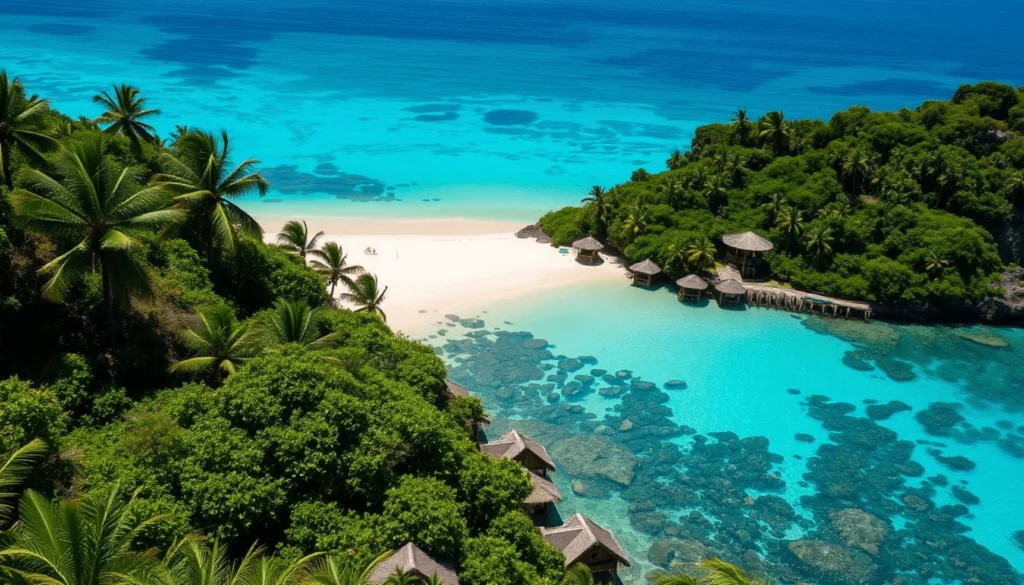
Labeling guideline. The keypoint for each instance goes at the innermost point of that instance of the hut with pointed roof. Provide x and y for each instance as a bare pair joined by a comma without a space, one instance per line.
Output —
454,390
530,454
729,292
644,272
745,251
583,541
587,249
412,559
691,287
544,494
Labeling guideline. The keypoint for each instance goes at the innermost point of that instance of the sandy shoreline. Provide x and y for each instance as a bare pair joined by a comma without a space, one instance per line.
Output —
433,267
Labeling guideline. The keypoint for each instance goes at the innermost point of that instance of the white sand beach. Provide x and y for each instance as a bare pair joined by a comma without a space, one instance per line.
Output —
460,266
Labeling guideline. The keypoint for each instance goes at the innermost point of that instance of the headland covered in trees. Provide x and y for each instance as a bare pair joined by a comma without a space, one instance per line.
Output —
919,210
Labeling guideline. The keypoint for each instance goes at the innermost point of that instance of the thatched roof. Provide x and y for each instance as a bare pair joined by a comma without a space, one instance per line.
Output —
692,282
730,287
513,444
411,559
578,535
588,244
647,267
544,491
748,241
456,389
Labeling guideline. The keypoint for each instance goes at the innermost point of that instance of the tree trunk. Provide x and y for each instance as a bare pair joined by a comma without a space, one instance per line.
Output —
5,154
211,262
334,283
108,303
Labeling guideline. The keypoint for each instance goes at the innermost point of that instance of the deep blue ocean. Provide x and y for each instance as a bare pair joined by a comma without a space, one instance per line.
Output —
504,110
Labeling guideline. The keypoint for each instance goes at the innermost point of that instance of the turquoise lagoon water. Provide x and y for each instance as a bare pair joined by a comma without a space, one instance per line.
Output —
488,109
743,369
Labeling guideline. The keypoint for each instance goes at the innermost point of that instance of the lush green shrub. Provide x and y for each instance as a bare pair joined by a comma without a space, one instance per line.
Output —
28,413
565,226
258,274
424,510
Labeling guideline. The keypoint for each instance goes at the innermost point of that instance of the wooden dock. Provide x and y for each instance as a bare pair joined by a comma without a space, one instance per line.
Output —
759,295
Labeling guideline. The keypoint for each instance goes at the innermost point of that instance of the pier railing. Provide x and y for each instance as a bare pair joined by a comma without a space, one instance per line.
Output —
805,302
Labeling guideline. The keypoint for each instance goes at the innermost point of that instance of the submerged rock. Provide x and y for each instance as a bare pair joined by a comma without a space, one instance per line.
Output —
965,496
884,411
986,338
595,456
859,529
804,438
665,551
940,418
675,385
832,563
851,359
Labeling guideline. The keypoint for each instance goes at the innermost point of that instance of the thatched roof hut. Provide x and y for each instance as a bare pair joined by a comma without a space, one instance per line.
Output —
730,287
580,536
747,242
692,282
644,272
588,244
411,559
544,491
456,389
513,445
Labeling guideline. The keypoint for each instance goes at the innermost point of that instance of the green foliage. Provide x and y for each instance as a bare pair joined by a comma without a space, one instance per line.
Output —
881,206
259,274
424,510
491,560
491,488
28,413
515,527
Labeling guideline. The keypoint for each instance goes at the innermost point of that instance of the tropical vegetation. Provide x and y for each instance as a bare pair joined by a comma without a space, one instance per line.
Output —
921,204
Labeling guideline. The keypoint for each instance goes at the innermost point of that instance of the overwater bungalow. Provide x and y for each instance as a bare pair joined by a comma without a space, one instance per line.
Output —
544,494
691,287
644,272
513,445
412,559
729,292
745,250
582,541
587,249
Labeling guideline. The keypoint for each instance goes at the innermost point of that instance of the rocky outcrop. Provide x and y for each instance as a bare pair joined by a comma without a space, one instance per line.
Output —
666,551
831,563
595,456
534,231
859,529
1007,307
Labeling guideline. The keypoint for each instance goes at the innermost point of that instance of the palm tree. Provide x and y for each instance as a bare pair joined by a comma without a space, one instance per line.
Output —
400,577
676,161
77,542
220,342
294,322
16,469
723,573
199,171
18,115
776,203
673,255
676,579
934,263
741,125
126,110
1016,184
331,263
578,574
92,199
366,295
673,190
294,237
819,242
700,253
856,168
636,221
790,220
595,202
328,571
716,189
775,132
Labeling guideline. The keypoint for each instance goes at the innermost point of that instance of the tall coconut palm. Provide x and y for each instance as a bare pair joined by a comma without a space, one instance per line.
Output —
578,574
700,253
400,577
366,295
15,470
775,133
77,542
330,571
598,209
676,161
819,242
125,112
199,172
294,237
934,263
293,322
219,343
18,117
774,206
332,264
723,573
716,189
741,126
637,220
1016,185
674,193
856,167
790,220
92,199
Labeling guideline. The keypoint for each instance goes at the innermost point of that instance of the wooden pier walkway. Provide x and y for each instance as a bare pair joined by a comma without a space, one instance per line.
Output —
773,297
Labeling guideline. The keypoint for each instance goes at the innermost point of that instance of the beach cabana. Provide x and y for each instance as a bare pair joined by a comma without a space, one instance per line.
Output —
543,495
644,272
411,559
729,292
587,249
513,445
691,287
583,541
745,250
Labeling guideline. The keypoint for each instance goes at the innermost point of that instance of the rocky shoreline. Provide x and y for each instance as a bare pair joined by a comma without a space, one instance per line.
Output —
999,309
